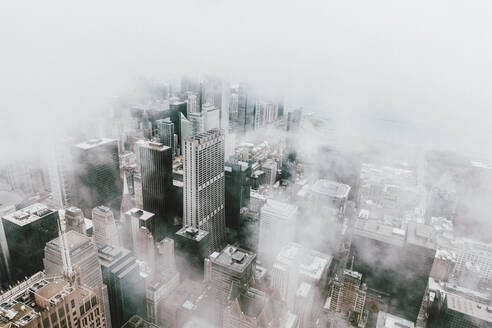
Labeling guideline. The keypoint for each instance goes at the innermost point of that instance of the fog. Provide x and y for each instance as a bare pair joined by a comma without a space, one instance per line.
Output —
422,65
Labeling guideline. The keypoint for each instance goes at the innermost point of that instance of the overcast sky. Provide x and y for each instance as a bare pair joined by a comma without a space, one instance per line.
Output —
428,63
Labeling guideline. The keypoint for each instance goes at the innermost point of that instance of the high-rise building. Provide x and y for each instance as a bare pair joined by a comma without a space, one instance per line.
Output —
237,194
4,260
156,170
50,302
231,268
277,228
294,120
250,309
126,288
303,305
105,231
203,204
132,221
198,122
26,232
83,257
186,130
192,105
270,168
348,295
192,245
75,220
144,248
165,129
137,321
97,175
212,116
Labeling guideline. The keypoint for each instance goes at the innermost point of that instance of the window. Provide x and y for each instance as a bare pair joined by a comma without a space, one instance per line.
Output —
72,302
61,312
53,318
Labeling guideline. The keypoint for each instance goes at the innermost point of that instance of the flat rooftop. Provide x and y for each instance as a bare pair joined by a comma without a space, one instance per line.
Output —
140,214
331,189
29,214
93,143
192,233
379,231
233,258
74,240
279,209
206,136
152,145
311,263
471,308
386,320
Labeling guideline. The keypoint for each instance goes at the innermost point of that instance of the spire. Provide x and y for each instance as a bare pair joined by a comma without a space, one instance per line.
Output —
67,263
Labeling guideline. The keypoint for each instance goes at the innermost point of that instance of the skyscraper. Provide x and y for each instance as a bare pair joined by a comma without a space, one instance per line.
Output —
165,129
49,302
126,288
97,175
203,205
84,259
348,295
75,220
231,268
156,170
277,228
237,193
198,122
192,104
186,130
105,231
26,232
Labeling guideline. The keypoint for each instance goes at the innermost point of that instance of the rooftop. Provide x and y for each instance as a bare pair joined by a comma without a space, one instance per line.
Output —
386,320
303,290
311,263
420,234
473,309
206,136
331,189
234,258
29,214
192,233
93,143
279,209
376,230
74,240
140,214
152,145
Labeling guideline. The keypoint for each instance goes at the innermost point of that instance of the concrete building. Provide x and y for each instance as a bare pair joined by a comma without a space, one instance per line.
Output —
270,169
132,221
387,320
231,268
348,295
330,193
26,232
49,302
83,257
250,309
303,306
105,231
277,228
137,321
204,182
75,220
97,175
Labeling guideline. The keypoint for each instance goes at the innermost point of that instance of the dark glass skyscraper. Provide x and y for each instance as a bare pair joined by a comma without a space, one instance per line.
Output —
165,128
97,175
156,169
27,231
237,193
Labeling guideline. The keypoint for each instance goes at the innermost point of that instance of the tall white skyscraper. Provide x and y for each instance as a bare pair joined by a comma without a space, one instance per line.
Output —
277,228
105,231
204,182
